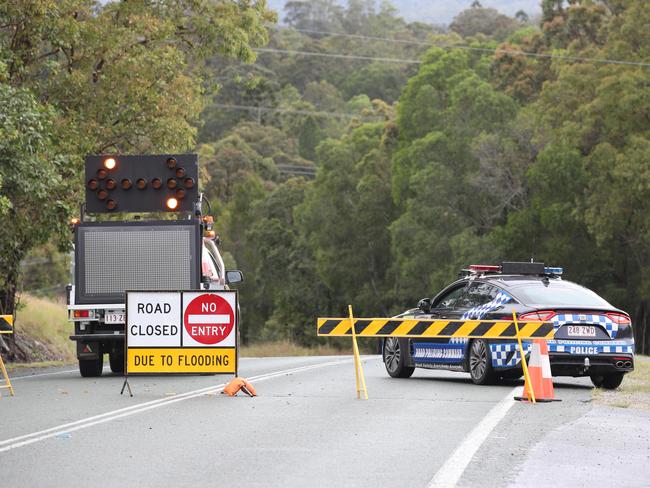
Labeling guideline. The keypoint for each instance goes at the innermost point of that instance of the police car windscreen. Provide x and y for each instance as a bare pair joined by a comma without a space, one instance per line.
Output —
118,258
558,294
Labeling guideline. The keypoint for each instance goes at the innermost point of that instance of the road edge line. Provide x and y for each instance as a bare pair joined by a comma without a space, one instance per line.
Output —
452,470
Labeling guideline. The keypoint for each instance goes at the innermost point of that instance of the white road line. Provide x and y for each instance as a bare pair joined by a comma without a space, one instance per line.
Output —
449,473
27,376
33,437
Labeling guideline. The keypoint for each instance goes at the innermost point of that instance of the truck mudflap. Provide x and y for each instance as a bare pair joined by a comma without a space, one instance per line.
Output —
88,350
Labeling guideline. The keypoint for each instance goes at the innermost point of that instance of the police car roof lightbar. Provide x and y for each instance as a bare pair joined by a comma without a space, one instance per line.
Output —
484,268
553,270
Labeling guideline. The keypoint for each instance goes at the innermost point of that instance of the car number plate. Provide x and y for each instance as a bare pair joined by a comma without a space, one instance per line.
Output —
114,318
582,330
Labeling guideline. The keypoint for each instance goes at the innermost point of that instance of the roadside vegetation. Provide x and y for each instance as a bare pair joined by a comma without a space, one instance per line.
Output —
350,156
42,336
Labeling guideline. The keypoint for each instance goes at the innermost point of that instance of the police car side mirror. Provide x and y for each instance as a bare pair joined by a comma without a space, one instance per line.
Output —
234,276
425,305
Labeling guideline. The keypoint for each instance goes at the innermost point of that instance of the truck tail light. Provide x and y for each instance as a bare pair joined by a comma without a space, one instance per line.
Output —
81,314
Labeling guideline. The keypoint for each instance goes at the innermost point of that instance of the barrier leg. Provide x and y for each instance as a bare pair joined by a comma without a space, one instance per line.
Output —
358,368
6,376
527,384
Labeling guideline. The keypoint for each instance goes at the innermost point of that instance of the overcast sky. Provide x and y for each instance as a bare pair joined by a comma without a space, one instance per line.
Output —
442,11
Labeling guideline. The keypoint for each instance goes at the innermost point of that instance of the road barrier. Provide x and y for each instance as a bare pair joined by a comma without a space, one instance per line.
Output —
419,329
6,327
472,329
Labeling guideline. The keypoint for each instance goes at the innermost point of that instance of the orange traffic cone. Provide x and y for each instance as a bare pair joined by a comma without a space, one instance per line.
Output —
238,384
539,372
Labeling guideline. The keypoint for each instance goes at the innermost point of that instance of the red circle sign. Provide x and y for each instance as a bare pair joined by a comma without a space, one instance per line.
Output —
209,319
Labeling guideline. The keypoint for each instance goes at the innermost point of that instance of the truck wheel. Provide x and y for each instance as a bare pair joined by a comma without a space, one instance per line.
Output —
91,367
608,381
116,361
395,358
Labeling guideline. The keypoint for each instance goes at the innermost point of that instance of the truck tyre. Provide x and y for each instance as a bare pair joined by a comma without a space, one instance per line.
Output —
395,357
116,361
91,367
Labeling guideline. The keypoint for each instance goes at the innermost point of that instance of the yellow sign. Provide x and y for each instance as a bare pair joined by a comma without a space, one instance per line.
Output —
181,360
6,324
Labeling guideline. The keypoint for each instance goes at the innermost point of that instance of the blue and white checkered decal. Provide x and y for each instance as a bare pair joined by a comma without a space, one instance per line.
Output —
479,312
573,318
506,355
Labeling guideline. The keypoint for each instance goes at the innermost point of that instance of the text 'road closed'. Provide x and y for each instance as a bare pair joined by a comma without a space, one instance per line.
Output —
186,360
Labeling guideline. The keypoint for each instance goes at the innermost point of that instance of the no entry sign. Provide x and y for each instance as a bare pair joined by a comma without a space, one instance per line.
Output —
181,332
209,319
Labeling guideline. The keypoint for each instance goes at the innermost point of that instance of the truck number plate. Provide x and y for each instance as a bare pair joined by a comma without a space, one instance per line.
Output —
114,318
582,330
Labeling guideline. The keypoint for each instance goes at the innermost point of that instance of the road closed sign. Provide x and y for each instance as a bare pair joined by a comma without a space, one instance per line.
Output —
181,332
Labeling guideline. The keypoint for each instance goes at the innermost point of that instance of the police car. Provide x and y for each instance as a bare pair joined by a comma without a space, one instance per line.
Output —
592,338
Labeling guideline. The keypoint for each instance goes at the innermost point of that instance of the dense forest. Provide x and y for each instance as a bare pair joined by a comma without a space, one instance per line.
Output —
350,156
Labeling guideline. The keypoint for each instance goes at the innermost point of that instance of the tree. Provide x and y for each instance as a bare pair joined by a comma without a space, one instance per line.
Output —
96,77
481,20
31,174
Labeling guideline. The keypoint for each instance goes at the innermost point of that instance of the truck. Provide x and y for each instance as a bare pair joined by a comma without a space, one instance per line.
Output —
141,228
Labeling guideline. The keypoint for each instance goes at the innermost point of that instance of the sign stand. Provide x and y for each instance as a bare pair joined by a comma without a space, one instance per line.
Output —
6,321
126,385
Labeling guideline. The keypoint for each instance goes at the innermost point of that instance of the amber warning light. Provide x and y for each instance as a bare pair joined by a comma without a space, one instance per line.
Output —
146,183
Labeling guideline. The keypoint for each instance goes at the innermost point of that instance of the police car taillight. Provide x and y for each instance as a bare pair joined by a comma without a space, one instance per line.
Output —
484,268
541,315
619,318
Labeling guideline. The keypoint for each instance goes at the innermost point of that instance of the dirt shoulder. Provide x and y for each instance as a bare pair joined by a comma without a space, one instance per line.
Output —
635,390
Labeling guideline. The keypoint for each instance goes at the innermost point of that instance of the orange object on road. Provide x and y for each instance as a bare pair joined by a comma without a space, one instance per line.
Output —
539,372
238,384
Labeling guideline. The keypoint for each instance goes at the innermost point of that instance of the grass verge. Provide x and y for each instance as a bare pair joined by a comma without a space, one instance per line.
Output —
635,390
42,331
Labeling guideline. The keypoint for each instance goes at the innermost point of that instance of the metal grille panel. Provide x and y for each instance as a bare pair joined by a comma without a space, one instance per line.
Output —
120,258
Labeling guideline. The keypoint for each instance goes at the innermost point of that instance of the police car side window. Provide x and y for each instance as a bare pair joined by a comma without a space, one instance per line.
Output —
449,300
477,294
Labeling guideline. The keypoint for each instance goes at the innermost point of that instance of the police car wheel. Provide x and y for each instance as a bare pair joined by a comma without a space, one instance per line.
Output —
480,363
394,355
608,381
90,368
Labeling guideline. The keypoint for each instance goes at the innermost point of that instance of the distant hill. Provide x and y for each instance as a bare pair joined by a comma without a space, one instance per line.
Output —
441,11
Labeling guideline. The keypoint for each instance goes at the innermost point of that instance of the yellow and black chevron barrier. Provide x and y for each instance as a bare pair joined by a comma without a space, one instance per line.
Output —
470,329
6,324
6,327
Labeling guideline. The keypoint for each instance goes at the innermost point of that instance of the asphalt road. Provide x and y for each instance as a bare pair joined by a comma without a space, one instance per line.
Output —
307,428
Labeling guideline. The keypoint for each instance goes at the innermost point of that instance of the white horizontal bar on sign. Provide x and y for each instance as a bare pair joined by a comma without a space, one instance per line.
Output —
208,319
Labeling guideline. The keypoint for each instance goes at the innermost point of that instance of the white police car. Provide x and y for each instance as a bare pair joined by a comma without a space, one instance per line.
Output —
592,338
